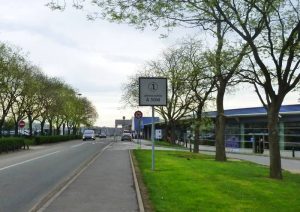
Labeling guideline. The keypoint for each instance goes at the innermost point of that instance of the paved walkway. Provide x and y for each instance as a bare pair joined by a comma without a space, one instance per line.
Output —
106,185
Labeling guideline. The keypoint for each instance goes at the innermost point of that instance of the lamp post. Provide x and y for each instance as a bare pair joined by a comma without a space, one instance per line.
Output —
79,130
123,125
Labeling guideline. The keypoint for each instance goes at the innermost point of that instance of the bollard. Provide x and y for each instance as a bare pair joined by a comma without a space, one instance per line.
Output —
293,151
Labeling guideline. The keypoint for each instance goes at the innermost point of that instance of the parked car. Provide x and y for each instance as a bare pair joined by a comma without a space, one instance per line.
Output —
126,136
102,135
88,135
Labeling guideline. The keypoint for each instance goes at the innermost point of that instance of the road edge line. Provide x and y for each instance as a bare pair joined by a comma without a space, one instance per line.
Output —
136,185
45,201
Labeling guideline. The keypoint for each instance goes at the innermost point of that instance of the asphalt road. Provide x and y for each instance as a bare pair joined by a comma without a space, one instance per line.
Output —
28,176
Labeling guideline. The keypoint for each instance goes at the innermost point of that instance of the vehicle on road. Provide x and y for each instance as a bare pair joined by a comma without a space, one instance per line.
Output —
126,136
88,135
102,135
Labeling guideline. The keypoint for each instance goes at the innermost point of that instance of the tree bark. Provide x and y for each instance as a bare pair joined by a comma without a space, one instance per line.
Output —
173,137
42,126
220,126
168,133
1,125
16,128
30,124
197,139
275,158
64,128
50,128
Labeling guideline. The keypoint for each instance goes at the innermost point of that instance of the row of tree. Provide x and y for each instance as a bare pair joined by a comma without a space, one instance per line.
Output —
27,93
260,37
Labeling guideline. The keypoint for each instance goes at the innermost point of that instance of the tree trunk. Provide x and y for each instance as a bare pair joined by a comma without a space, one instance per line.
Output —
30,124
50,128
58,130
1,125
64,128
172,125
168,132
16,128
42,126
275,159
197,139
74,130
220,126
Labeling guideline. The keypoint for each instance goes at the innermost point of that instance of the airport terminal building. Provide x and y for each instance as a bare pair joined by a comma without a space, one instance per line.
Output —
245,126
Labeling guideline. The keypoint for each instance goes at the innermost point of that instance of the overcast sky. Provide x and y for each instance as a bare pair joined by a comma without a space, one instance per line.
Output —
95,57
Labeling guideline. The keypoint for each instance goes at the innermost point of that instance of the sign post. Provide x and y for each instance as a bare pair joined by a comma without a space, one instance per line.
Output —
152,92
139,115
21,125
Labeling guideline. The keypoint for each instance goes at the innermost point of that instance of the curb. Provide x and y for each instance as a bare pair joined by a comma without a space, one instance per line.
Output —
136,185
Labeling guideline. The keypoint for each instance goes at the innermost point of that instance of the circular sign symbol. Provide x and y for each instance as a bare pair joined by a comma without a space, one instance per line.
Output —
138,114
21,124
153,86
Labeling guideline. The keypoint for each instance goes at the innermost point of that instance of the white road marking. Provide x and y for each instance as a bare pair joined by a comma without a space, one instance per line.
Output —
77,145
27,161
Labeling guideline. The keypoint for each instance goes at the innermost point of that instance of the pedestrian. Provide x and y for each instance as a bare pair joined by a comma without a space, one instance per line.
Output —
261,145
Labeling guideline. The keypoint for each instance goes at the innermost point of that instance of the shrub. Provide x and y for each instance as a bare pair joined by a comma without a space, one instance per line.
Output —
54,139
11,144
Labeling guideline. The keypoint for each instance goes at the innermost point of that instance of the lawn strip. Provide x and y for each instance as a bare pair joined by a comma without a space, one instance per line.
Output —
186,181
143,189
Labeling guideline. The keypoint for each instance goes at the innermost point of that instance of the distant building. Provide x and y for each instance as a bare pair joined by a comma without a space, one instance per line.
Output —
246,124
243,126
138,125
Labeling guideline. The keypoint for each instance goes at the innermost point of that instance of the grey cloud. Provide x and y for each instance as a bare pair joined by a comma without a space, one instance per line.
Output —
40,30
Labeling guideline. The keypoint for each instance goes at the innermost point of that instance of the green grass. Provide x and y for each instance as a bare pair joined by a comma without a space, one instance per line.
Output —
167,144
184,181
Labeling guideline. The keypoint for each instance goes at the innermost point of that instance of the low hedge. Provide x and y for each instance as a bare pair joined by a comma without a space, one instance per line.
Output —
54,139
11,144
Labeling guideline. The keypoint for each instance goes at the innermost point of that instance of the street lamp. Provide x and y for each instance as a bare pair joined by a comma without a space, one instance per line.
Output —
79,130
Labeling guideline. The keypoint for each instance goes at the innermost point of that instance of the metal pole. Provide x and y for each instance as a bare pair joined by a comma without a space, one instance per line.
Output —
152,138
139,134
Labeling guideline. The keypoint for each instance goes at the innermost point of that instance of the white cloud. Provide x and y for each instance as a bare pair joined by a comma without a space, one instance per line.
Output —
94,57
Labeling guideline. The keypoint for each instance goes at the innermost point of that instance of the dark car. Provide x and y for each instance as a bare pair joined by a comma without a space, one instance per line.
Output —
88,135
102,135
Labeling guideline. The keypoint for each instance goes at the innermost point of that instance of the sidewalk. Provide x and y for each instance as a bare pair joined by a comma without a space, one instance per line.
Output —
106,185
283,153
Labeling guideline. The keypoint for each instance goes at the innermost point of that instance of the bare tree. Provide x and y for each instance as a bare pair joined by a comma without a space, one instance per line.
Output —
201,81
272,31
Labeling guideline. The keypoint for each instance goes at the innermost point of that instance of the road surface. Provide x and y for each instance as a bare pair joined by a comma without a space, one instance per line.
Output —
28,176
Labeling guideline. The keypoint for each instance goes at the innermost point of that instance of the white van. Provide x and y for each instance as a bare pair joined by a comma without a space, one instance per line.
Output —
88,134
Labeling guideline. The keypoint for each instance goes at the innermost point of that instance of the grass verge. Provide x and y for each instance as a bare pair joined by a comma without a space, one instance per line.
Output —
184,181
167,144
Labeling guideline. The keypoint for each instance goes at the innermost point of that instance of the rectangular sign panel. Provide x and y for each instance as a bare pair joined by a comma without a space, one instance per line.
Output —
152,91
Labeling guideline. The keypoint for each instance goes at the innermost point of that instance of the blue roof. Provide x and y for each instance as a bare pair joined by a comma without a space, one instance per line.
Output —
255,111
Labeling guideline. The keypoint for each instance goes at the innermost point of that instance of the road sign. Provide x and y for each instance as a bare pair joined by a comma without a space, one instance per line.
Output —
21,124
138,114
152,91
